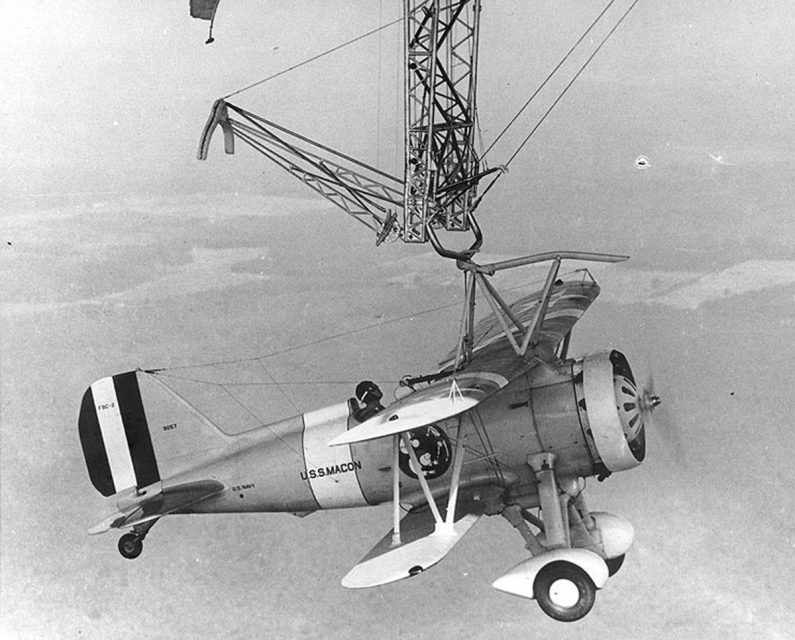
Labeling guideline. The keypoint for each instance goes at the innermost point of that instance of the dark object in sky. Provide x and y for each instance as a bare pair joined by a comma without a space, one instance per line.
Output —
642,162
205,10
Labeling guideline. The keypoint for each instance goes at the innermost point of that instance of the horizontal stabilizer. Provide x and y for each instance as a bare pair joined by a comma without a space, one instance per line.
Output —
421,547
115,521
441,400
134,511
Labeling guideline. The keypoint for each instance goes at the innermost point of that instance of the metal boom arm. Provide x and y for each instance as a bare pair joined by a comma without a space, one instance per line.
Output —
441,166
364,192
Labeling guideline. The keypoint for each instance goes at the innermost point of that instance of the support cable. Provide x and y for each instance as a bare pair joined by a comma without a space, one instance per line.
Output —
313,58
342,334
557,100
378,91
278,386
572,81
335,336
548,78
263,383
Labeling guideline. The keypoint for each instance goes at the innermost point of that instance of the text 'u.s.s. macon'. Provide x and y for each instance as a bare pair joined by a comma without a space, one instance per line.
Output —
331,470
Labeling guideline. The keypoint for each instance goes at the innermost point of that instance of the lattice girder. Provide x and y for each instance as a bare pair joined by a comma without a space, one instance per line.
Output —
441,41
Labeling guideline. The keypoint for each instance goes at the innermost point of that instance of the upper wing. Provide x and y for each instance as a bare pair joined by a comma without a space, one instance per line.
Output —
494,364
440,400
568,302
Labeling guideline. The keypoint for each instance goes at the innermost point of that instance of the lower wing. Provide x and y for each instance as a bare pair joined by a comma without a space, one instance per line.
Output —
421,545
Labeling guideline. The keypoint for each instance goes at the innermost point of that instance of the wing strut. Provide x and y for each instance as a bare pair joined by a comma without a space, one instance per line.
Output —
437,518
443,526
458,463
396,490
520,336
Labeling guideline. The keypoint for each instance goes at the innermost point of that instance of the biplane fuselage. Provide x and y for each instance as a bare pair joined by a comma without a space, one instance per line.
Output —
506,425
288,466
502,433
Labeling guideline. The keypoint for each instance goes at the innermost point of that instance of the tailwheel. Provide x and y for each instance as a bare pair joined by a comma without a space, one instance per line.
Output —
614,564
130,546
564,591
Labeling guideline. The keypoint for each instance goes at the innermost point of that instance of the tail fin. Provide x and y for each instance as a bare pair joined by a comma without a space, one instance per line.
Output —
133,433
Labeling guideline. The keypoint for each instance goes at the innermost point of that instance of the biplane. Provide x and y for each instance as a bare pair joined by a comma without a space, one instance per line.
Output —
507,423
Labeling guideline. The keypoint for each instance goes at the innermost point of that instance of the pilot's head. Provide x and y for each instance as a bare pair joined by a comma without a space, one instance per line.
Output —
367,392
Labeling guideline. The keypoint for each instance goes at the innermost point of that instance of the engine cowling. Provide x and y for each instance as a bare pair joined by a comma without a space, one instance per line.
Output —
588,413
613,410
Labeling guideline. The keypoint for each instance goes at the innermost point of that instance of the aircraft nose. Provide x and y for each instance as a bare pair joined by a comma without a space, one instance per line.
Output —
632,403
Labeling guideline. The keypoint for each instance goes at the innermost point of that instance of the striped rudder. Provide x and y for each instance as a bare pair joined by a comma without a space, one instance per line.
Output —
114,434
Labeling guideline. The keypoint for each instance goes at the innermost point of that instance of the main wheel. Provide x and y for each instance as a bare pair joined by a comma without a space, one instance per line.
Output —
130,546
614,564
564,591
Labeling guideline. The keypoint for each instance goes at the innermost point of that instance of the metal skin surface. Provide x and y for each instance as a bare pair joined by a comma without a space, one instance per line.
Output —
287,466
519,580
507,424
616,534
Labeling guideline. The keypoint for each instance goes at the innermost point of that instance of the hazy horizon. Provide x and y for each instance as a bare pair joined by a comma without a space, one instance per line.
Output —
120,249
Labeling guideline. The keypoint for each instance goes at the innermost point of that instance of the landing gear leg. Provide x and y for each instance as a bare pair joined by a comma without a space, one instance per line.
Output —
132,544
514,515
555,525
563,590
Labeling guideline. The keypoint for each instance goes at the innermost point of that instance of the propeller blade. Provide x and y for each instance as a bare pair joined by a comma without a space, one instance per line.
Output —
656,417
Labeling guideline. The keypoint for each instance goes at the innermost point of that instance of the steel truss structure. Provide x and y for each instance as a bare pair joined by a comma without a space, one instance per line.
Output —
441,165
441,170
368,194
522,337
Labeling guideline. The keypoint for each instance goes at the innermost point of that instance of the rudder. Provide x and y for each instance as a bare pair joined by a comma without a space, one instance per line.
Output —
135,431
114,434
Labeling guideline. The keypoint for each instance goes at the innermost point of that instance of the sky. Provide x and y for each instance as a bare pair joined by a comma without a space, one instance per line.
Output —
121,249
113,101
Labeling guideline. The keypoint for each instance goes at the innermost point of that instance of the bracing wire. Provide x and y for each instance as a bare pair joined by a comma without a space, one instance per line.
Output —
485,441
312,343
267,383
242,405
246,408
313,58
285,395
342,334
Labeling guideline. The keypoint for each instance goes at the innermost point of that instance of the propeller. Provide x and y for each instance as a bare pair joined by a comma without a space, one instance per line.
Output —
656,417
648,400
